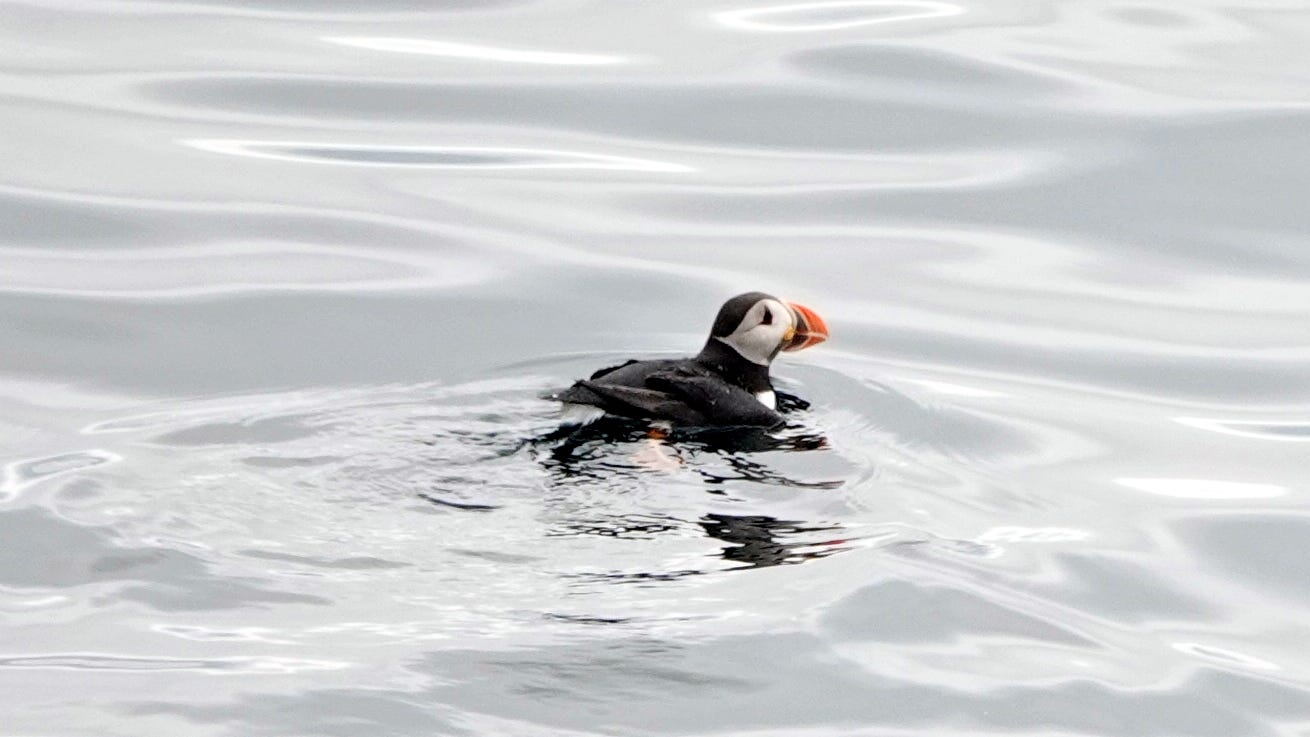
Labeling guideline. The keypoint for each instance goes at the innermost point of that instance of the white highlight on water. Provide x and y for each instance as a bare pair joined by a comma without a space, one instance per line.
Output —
1203,488
1293,432
455,157
480,52
804,17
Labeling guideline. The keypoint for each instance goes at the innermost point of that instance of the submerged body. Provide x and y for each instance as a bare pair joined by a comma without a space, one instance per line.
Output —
726,384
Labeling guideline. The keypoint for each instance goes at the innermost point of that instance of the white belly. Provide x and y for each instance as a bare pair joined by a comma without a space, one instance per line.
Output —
768,399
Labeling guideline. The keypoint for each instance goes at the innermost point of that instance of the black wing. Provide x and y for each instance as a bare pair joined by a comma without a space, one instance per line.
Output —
631,401
611,369
681,391
719,402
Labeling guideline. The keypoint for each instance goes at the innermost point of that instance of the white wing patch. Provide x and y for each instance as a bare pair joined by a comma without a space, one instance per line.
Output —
768,399
579,414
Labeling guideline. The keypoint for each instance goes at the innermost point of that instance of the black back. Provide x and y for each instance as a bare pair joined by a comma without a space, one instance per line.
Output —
715,388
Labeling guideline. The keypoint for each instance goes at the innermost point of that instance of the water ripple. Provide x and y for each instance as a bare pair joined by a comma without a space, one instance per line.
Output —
1286,431
1203,488
281,282
188,271
200,633
451,49
1224,656
834,16
436,157
241,665
1014,533
20,474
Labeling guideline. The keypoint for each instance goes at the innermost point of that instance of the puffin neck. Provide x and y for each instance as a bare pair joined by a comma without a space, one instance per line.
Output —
723,360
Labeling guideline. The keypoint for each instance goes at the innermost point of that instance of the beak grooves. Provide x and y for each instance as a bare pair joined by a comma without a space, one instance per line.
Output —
810,328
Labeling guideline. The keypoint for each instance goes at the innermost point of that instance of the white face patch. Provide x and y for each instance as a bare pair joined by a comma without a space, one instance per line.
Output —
768,399
762,331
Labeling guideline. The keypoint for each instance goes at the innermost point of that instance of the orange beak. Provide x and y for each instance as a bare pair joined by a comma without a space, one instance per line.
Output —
810,328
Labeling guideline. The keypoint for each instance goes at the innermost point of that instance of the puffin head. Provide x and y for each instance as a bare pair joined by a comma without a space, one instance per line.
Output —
757,326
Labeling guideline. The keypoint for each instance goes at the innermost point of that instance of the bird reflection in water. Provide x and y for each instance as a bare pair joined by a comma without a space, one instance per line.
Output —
587,454
757,540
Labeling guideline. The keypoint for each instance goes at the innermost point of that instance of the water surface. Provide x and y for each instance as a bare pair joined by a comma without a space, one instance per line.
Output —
281,283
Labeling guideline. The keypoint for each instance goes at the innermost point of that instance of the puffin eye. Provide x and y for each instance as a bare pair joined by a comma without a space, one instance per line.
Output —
768,317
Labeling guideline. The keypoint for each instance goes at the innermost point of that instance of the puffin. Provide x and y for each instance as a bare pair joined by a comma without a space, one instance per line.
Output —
725,385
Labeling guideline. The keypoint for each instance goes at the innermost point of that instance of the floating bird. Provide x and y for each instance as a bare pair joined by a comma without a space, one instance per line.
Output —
726,384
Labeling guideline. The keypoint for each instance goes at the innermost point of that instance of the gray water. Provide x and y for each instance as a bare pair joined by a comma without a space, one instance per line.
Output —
281,282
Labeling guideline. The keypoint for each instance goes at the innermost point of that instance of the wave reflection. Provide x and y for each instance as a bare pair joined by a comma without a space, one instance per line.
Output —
1283,431
434,157
242,665
208,269
1203,488
451,49
20,474
834,16
1224,656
